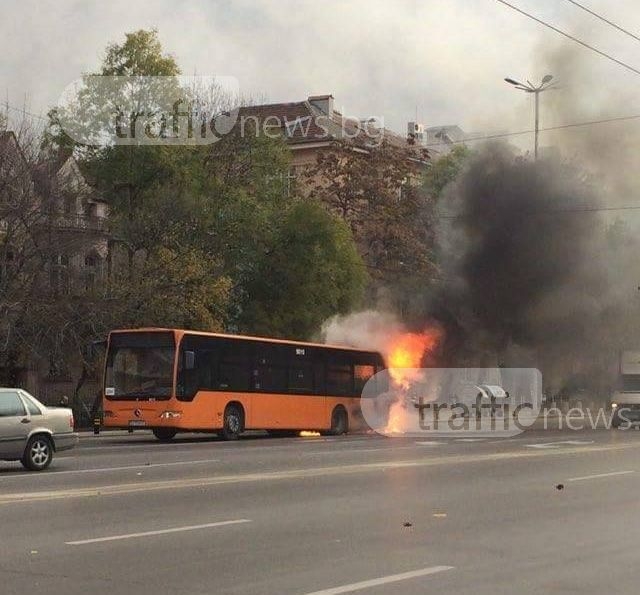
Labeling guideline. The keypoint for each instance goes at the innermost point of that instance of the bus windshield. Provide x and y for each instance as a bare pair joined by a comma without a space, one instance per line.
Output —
140,365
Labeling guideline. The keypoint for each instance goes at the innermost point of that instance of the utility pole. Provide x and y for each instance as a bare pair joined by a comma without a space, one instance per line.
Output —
545,85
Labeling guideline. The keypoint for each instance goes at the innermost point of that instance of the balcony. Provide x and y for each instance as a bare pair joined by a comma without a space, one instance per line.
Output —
78,223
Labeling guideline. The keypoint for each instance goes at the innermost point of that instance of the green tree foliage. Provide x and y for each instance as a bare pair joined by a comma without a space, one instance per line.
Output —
141,54
445,170
376,191
197,232
309,271
161,274
174,288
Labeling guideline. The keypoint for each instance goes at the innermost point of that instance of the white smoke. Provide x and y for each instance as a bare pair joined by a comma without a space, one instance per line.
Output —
370,330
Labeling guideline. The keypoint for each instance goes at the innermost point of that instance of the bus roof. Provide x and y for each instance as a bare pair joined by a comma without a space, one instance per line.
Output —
242,337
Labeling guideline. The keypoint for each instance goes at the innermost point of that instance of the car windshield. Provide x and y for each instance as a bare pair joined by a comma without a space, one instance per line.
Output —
139,367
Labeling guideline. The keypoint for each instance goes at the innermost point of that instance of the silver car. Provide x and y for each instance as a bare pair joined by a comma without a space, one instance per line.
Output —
30,432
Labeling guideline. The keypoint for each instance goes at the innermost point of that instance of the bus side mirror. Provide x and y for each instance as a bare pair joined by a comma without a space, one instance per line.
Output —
189,360
95,348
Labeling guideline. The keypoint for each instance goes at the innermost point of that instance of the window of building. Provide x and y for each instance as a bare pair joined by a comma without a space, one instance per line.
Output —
290,181
69,205
60,278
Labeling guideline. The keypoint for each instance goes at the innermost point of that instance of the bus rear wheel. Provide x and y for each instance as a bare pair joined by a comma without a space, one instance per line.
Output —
232,422
339,423
165,434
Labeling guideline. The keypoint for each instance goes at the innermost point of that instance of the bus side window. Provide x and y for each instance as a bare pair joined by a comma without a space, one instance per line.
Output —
272,368
197,368
362,374
188,381
339,378
301,378
382,379
233,375
188,375
319,380
205,368
234,369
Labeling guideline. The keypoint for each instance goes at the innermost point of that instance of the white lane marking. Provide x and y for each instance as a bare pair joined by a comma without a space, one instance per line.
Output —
343,452
376,582
226,447
601,475
355,450
560,443
430,443
125,468
159,532
301,474
470,439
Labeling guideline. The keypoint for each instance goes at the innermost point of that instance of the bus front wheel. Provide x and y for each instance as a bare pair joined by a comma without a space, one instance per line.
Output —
232,423
339,423
165,434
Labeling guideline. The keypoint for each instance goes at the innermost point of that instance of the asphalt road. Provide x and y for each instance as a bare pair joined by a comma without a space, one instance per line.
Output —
125,514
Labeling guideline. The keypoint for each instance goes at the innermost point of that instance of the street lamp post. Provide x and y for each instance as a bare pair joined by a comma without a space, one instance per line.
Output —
545,85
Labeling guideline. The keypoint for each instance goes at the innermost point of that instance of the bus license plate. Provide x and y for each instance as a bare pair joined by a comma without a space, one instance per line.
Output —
137,423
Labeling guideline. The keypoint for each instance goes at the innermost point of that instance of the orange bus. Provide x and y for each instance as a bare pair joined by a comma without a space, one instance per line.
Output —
170,381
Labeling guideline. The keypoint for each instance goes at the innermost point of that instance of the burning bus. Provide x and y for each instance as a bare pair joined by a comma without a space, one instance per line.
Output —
173,380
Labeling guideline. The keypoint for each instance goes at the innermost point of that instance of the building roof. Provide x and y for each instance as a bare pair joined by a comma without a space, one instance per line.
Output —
63,168
300,121
314,120
314,123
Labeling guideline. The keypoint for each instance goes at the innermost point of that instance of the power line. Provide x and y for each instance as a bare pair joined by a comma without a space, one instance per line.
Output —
440,144
530,131
598,16
24,111
571,37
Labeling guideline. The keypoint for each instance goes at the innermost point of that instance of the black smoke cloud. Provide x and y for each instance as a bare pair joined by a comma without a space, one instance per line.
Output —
531,273
540,264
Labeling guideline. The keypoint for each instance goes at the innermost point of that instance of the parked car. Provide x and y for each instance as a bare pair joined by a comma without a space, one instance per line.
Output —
30,432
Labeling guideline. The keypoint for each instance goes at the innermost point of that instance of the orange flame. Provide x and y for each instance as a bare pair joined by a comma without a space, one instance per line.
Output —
406,353
396,421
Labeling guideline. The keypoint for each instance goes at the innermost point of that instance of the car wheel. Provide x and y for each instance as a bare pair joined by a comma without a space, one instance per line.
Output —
232,423
38,454
165,434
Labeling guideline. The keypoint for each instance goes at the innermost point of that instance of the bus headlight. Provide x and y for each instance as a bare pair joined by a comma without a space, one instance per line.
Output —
170,414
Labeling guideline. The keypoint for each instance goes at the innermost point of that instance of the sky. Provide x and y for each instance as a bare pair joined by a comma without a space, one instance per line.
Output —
444,59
